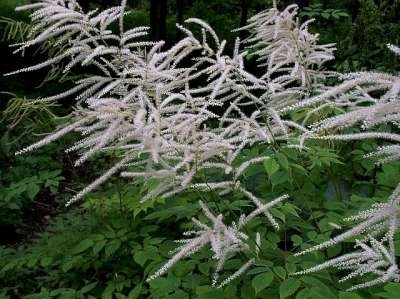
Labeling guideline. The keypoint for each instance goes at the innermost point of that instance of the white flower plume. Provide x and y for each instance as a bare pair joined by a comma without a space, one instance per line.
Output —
224,240
367,100
141,102
375,257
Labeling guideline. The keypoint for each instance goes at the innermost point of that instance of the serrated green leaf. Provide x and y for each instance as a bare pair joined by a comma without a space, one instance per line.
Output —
291,268
207,292
247,292
120,296
290,209
82,246
257,270
278,214
88,287
280,272
271,166
261,281
32,190
135,293
32,261
46,261
318,288
296,239
303,294
112,247
108,292
392,287
9,266
67,265
324,293
349,295
299,168
392,290
282,160
342,14
140,257
99,246
280,177
288,287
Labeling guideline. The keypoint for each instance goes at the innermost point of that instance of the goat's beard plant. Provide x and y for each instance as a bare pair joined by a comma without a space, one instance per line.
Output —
145,105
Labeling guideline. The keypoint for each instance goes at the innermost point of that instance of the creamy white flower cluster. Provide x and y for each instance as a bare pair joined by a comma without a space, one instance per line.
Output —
143,104
375,258
367,100
225,240
289,55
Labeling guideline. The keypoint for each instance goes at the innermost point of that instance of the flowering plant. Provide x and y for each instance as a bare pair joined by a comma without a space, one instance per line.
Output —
144,103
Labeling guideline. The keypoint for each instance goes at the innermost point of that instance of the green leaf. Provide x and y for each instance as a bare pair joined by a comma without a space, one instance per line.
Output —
261,281
32,190
67,265
207,292
290,268
300,169
296,239
280,177
82,246
392,287
108,292
319,286
46,261
290,209
246,292
136,292
204,268
271,166
317,292
88,287
112,247
257,270
9,266
303,294
184,268
280,272
178,294
278,214
288,287
392,290
282,160
140,257
32,261
342,14
66,294
325,15
99,246
349,295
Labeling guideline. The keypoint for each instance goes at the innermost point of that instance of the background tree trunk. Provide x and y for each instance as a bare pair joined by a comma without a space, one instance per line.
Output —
158,18
244,12
354,9
84,4
179,17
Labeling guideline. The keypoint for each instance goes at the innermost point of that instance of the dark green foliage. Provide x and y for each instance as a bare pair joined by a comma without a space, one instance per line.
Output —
107,249
360,29
28,185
